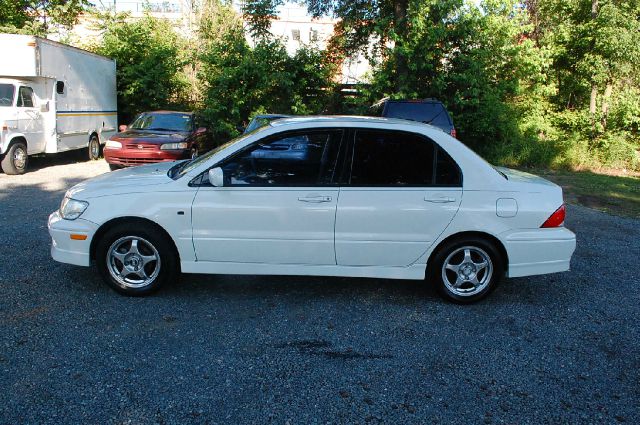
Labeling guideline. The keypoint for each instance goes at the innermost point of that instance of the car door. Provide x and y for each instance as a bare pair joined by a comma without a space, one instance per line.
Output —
277,205
402,192
30,120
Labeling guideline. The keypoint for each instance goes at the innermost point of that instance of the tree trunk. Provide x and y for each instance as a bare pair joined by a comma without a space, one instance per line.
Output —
605,102
594,86
400,27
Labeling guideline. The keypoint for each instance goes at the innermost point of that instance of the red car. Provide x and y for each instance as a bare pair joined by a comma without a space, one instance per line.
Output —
155,137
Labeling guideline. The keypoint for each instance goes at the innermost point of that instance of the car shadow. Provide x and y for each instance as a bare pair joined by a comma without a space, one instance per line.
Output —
303,287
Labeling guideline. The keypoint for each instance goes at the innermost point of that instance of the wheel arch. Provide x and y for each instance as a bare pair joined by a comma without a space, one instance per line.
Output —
466,235
94,133
130,219
18,138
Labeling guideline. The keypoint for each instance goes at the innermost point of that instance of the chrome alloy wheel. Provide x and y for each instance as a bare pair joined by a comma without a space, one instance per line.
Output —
467,271
133,261
19,158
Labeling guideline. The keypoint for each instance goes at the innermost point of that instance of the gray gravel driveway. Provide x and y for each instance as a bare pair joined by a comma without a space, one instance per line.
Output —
562,348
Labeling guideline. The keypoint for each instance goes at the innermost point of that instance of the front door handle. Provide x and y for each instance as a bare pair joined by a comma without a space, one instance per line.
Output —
315,199
440,199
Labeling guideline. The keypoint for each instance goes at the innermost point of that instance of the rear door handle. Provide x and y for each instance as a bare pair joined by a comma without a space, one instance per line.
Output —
315,199
440,199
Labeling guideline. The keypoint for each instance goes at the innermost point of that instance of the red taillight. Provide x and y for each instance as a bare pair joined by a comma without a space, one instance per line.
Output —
453,133
556,219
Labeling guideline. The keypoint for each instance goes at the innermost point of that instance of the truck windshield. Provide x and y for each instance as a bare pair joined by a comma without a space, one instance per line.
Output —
166,122
6,94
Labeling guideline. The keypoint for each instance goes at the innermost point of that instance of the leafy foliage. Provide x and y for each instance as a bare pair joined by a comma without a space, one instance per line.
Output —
39,17
150,61
241,81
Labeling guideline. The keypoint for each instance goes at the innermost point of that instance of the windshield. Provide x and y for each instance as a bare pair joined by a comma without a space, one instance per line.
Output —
185,167
166,122
6,94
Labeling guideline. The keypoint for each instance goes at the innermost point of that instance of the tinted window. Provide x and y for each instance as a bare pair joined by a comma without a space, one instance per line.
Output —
430,113
163,122
447,171
297,159
25,97
6,94
388,158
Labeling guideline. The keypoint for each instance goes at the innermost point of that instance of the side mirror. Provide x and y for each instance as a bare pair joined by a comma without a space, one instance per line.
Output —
216,177
44,107
122,127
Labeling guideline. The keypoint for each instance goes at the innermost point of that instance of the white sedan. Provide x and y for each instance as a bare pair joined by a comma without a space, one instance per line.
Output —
332,196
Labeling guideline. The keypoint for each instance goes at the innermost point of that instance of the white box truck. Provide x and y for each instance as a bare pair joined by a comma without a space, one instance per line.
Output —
53,98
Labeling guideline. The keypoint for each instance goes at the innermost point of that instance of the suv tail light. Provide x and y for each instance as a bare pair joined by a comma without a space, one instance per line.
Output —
557,218
454,133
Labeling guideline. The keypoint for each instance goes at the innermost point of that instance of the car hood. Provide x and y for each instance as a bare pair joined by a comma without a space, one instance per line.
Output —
150,136
127,180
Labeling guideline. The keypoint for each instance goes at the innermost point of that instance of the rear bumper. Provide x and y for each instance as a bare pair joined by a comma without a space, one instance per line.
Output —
539,251
67,250
130,157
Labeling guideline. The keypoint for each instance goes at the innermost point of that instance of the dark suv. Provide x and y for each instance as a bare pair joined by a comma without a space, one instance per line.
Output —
428,111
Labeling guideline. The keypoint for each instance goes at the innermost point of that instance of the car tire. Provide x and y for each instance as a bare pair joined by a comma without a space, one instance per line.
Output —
15,160
466,270
136,259
94,148
114,167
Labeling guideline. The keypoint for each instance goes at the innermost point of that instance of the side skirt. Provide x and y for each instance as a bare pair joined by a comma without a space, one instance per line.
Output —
414,272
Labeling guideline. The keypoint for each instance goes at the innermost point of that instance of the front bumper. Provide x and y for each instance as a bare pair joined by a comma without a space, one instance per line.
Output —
539,251
129,157
67,250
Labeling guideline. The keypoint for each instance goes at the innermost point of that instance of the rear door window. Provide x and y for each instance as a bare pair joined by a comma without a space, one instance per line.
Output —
396,158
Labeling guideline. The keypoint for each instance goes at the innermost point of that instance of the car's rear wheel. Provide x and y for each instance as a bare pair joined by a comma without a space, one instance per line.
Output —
467,270
135,259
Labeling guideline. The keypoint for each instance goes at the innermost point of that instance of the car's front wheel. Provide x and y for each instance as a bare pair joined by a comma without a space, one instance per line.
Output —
467,270
135,259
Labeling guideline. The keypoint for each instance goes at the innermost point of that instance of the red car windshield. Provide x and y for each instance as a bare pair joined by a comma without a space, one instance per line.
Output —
162,122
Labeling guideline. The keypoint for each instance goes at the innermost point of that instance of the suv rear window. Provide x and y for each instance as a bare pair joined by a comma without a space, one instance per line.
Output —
426,112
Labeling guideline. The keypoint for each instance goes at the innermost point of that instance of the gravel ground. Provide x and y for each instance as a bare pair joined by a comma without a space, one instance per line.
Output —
562,348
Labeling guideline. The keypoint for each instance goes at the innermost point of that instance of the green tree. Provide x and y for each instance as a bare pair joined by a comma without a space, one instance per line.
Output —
150,59
39,17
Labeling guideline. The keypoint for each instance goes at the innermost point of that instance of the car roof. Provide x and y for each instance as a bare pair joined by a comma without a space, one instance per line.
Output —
272,116
345,119
427,100
167,112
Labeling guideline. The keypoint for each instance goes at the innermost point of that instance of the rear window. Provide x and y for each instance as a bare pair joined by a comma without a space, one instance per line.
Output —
430,113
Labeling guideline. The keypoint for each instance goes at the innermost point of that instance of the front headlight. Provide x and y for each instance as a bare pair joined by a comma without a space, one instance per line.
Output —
113,144
70,209
174,146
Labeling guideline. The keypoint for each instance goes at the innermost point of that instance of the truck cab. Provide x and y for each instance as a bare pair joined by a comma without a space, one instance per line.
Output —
24,116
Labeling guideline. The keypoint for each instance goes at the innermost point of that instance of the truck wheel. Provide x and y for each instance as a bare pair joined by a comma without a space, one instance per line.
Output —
94,148
16,159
